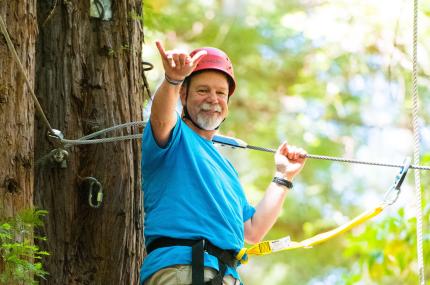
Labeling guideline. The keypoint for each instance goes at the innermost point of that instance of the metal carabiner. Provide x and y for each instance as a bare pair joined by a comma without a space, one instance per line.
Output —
393,193
95,191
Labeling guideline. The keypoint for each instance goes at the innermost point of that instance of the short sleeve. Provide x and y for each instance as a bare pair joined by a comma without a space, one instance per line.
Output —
248,212
151,151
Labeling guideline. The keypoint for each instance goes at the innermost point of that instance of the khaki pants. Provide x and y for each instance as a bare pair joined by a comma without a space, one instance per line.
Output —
181,275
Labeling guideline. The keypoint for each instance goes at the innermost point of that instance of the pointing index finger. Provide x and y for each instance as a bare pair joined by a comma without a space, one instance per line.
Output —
161,49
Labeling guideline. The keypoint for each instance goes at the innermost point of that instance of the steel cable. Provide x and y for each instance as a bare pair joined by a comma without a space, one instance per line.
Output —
21,68
346,160
416,130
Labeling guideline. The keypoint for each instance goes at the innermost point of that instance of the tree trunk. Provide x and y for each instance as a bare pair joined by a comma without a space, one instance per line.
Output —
89,78
17,108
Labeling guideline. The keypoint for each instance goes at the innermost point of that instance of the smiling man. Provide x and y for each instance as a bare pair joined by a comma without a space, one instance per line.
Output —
197,216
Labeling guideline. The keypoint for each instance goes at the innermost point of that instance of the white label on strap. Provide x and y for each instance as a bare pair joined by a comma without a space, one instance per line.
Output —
280,244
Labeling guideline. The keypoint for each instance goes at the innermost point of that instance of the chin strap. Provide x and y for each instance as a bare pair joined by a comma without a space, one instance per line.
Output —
188,117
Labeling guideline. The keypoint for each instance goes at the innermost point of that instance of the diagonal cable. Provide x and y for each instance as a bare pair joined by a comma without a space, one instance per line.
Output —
21,68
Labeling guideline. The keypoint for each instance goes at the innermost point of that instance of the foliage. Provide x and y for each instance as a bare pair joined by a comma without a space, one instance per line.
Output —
18,253
335,78
386,250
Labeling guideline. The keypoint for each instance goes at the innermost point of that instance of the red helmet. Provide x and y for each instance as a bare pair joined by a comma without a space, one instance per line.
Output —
217,60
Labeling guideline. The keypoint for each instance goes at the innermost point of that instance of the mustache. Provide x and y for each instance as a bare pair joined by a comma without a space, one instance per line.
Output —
210,107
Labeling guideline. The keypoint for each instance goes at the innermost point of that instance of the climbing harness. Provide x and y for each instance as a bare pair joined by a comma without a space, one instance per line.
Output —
283,244
198,248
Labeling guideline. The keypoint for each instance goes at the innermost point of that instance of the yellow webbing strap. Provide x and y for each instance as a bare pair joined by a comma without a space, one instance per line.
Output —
267,247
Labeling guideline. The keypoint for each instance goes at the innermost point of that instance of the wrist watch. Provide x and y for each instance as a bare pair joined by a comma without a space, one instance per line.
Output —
282,182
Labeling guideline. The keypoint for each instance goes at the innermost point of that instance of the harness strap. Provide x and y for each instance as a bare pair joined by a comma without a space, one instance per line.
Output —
197,263
198,247
217,280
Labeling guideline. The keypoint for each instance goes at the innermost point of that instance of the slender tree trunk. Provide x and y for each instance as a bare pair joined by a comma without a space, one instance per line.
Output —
89,78
17,108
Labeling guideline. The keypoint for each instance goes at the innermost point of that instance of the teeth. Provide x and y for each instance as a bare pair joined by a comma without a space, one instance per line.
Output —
207,107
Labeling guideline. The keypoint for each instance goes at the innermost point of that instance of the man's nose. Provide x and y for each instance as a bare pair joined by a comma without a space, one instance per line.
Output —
213,97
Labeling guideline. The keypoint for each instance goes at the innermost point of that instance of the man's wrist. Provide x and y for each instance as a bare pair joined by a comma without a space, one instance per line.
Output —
282,182
173,81
284,176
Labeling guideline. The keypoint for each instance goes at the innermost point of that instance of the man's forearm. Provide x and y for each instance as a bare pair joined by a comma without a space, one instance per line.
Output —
163,117
289,161
164,102
267,212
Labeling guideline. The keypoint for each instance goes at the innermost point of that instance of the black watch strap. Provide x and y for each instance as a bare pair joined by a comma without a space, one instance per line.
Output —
283,182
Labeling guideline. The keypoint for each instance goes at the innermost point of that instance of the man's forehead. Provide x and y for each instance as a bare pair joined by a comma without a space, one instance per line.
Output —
210,79
217,85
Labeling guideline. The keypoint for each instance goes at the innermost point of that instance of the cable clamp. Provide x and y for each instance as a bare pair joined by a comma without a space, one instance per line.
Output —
59,156
56,138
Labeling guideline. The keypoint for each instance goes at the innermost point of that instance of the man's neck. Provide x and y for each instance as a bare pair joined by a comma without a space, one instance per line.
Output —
203,133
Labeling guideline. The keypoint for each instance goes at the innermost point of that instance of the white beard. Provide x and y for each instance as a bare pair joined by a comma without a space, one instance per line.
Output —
209,122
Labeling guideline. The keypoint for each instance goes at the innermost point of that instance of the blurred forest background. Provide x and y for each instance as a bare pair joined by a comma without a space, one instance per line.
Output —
333,77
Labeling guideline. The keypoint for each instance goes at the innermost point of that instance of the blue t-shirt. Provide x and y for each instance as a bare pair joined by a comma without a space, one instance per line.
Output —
190,192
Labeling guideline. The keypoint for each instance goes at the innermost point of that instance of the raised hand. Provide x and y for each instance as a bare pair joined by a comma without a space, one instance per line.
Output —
289,160
178,64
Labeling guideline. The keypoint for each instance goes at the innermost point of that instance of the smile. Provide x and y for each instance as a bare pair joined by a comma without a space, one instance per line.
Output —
211,111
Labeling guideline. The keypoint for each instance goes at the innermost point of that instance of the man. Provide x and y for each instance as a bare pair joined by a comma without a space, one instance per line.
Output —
196,211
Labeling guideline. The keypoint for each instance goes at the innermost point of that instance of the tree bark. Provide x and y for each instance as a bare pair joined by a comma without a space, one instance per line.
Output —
89,77
17,108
